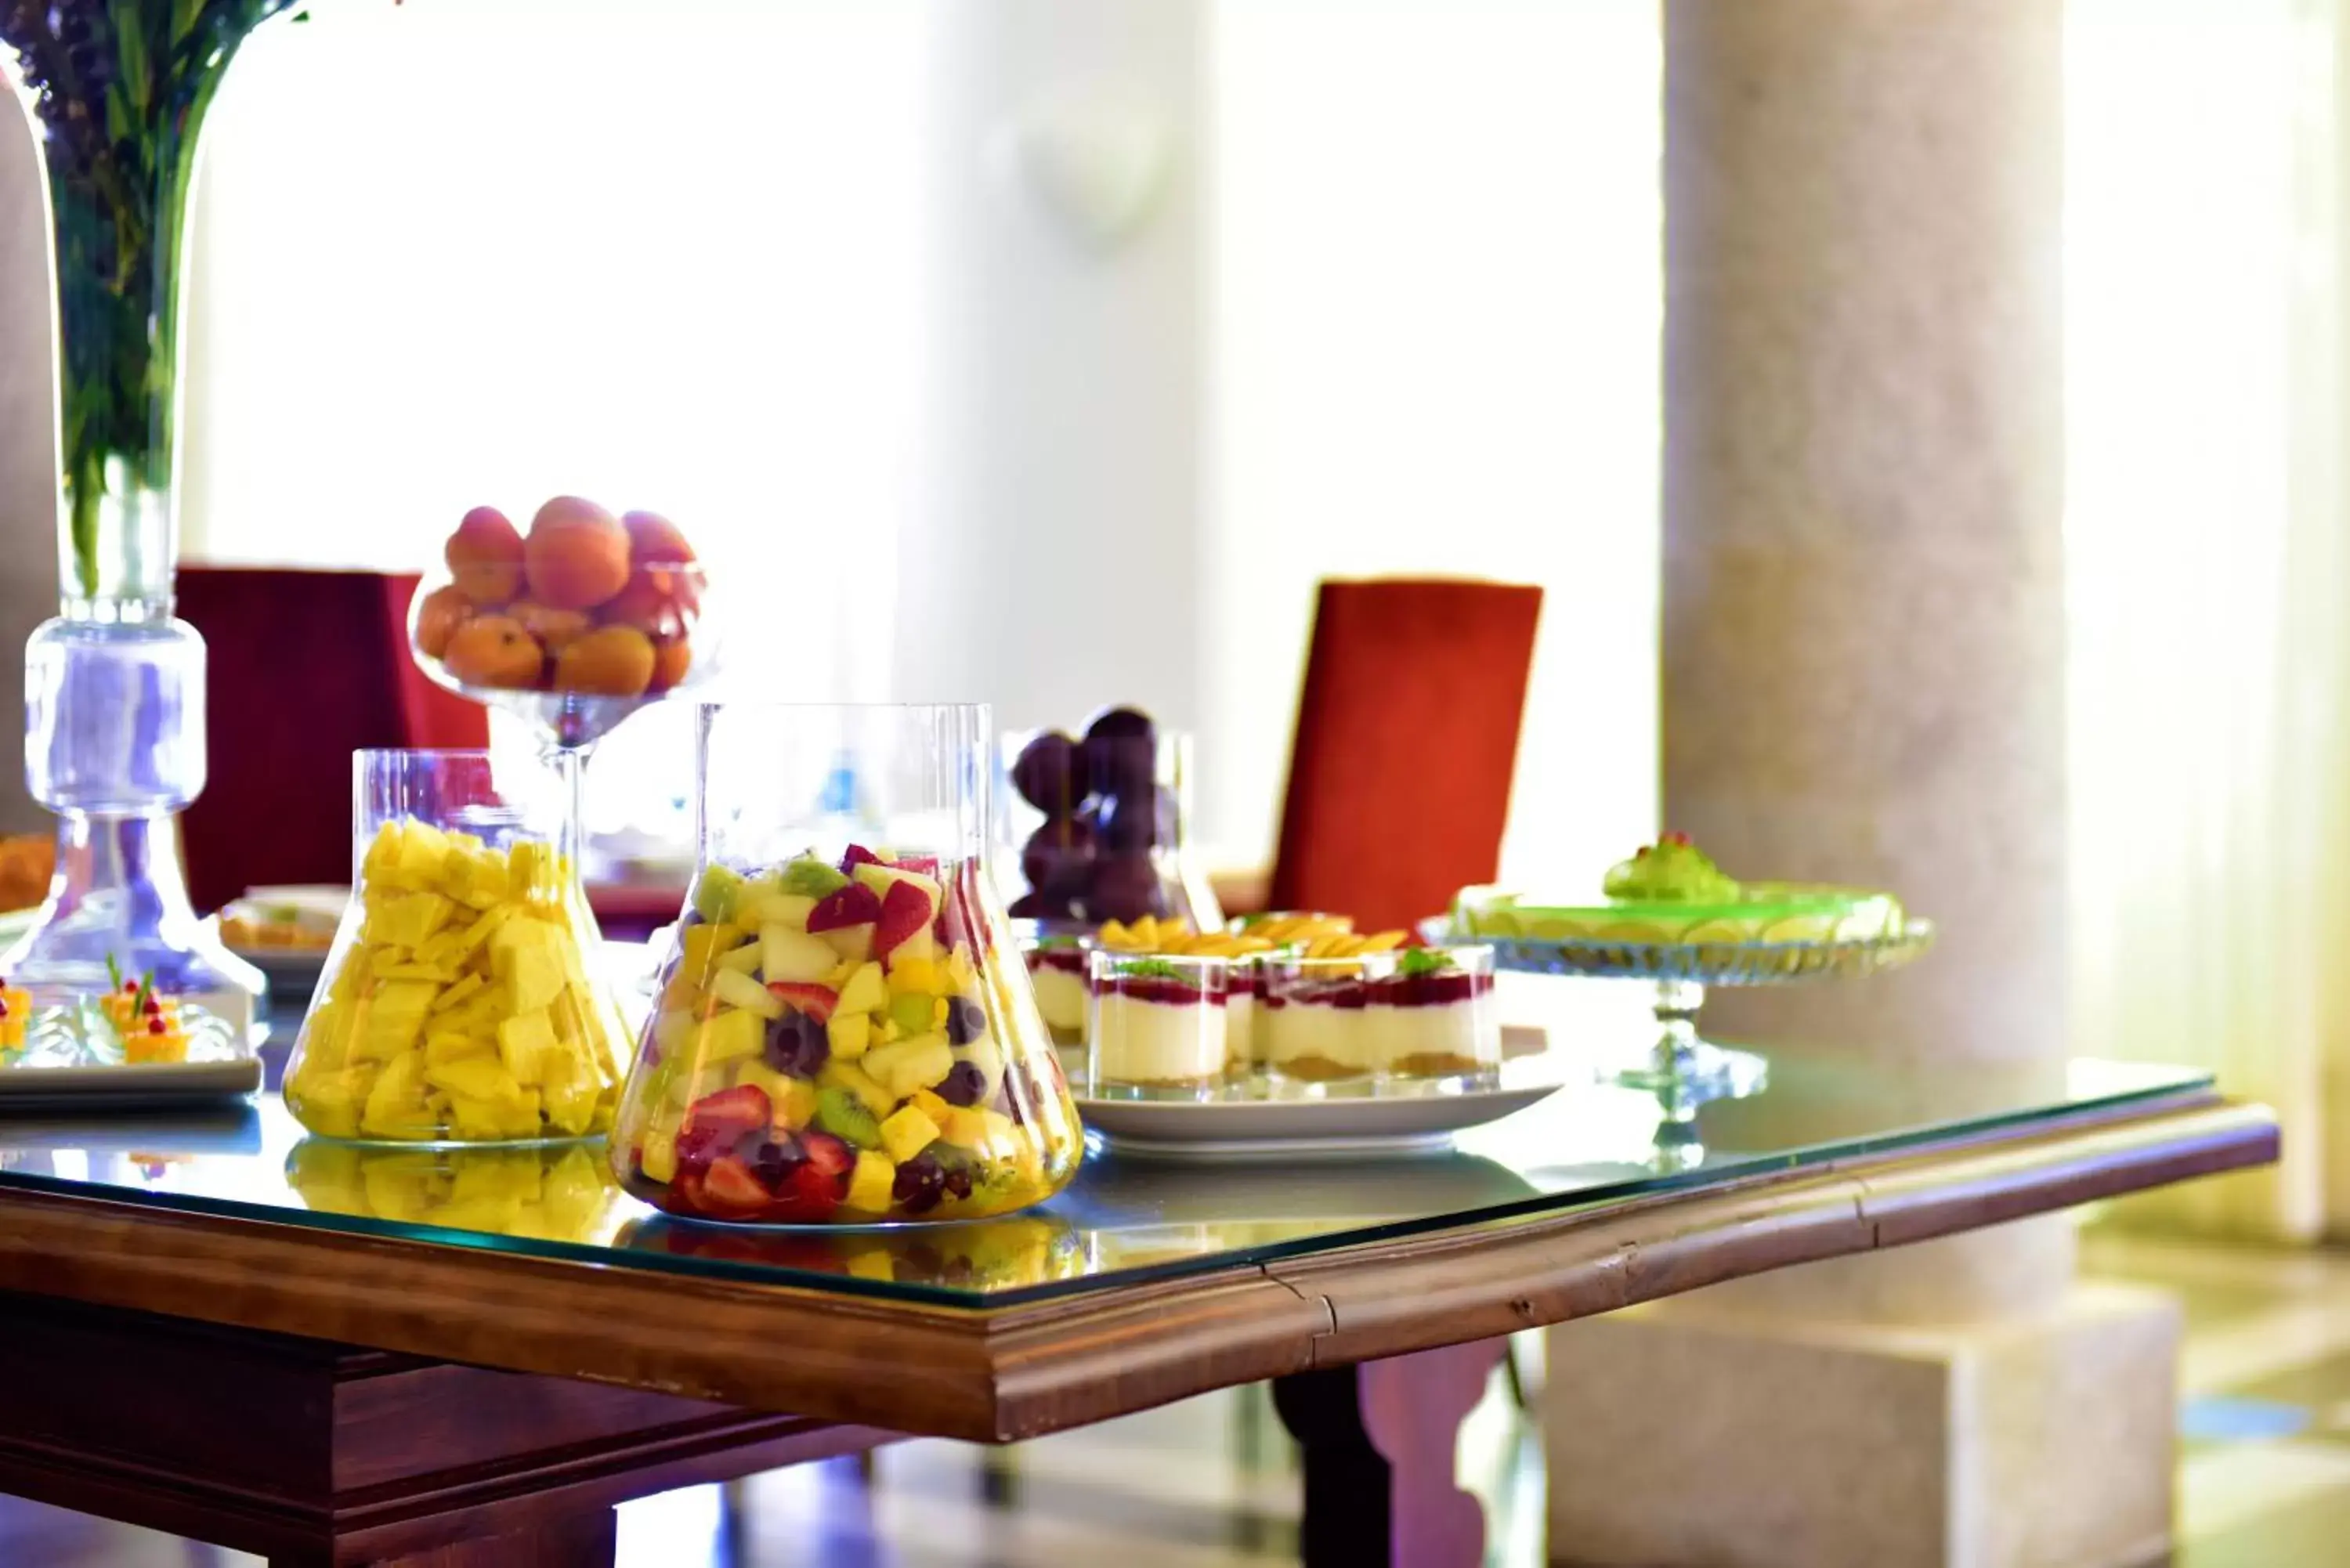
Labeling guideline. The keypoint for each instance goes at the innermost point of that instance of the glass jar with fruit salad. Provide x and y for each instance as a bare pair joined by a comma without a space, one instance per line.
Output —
843,1031
461,1002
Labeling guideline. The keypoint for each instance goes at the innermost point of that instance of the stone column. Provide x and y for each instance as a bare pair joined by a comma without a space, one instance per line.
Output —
1862,682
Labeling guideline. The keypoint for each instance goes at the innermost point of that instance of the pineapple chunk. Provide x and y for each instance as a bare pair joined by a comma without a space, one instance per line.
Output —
868,1188
395,1102
456,993
917,976
849,1033
440,1048
795,957
524,1042
867,992
392,1019
475,1077
745,959
657,1155
928,1102
737,989
907,1132
732,1035
902,1066
423,851
964,1125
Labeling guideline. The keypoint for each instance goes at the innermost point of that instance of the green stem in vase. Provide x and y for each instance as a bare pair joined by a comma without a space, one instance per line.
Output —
120,89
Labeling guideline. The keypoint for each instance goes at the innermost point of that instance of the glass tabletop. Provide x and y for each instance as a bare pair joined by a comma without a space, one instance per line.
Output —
1124,1220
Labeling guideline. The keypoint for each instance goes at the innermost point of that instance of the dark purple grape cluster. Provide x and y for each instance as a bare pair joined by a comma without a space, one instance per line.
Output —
1105,814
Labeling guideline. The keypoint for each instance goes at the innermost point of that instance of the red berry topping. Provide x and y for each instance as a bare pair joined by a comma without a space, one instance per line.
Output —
154,1026
129,987
154,1006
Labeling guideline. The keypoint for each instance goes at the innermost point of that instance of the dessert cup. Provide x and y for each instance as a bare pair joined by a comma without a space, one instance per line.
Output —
461,1002
844,1033
1417,1015
1159,1026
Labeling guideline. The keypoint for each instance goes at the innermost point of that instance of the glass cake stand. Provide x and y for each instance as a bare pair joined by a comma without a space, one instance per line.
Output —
1684,1069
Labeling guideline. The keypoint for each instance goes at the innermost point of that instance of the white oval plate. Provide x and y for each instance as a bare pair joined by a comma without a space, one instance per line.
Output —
1351,1128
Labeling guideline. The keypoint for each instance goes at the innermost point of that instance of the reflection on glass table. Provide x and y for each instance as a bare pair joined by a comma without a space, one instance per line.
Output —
1121,1219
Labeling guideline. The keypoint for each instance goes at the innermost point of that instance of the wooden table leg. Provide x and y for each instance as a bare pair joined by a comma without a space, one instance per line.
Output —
1380,1485
584,1540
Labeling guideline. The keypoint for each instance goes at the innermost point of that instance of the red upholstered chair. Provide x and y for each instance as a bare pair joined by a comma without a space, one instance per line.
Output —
1406,735
305,667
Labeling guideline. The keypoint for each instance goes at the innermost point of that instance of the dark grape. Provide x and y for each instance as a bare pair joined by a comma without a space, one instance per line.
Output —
966,1085
1033,906
1117,766
797,1044
966,1021
1121,723
1059,856
770,1158
1045,774
1125,888
919,1185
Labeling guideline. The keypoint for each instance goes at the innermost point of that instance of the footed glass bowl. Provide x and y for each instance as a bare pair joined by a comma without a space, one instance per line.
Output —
1685,1069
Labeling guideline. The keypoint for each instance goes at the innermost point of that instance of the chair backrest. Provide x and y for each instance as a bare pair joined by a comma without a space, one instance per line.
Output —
1406,735
303,668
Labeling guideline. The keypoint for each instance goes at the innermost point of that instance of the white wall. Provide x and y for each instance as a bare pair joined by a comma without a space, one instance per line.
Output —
1439,300
1056,566
1393,308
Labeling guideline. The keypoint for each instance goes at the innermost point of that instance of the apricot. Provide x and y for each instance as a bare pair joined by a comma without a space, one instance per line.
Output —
554,628
653,537
485,556
655,541
649,604
444,609
495,650
672,660
610,661
577,556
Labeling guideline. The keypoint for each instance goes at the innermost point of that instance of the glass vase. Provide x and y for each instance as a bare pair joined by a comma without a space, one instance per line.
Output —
114,730
845,1033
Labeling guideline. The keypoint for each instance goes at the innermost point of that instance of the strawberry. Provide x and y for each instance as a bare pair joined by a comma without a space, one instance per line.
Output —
925,865
855,905
829,1156
730,1185
858,856
807,1196
906,910
730,1113
806,996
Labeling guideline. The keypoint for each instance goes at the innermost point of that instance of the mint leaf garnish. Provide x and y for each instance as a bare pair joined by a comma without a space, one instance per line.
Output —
1423,961
1152,969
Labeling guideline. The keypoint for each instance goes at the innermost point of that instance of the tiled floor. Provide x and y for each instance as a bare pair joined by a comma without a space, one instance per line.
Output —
2264,1476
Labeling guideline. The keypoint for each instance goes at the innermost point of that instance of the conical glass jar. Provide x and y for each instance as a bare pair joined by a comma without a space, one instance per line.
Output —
845,1033
462,1002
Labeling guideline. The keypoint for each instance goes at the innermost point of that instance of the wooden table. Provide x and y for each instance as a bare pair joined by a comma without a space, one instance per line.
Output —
328,1355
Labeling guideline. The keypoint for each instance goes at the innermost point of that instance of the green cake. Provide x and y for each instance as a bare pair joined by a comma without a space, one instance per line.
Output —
1672,892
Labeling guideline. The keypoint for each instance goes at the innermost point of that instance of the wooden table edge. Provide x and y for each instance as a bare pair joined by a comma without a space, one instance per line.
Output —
1002,1373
